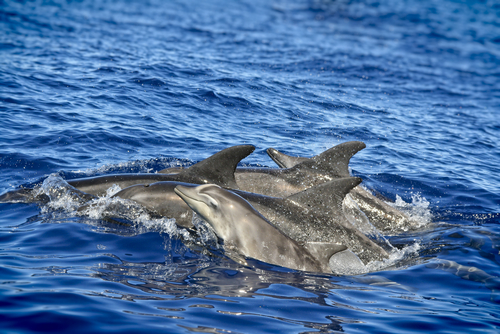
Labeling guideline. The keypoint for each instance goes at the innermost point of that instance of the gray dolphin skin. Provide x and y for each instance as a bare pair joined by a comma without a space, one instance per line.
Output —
316,215
302,206
245,231
383,216
313,215
218,169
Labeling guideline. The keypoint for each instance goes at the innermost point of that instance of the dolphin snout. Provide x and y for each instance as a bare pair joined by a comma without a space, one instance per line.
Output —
186,192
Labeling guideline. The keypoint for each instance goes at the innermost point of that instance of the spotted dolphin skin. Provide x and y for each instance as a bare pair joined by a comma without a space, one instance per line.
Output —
384,217
283,182
247,232
303,203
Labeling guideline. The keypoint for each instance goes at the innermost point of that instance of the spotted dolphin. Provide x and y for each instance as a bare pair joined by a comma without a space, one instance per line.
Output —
284,182
384,217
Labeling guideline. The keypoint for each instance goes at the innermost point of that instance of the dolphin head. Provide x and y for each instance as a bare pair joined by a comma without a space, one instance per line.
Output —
219,207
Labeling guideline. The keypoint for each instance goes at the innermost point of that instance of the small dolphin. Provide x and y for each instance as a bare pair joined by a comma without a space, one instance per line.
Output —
248,233
384,217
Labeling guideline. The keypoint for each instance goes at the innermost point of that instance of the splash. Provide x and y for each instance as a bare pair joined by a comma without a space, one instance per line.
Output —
109,207
74,203
395,256
418,210
61,195
206,233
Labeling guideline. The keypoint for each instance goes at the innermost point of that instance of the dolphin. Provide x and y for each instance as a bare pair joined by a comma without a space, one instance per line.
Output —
316,215
313,215
218,169
245,231
384,217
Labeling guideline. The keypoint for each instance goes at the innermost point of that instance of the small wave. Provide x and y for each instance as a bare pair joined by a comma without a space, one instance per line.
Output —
62,196
115,207
136,166
395,256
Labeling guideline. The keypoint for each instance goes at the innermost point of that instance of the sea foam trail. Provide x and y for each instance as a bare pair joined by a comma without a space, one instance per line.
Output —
63,197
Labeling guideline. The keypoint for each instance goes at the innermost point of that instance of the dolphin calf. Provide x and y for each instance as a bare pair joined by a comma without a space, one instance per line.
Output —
246,232
384,217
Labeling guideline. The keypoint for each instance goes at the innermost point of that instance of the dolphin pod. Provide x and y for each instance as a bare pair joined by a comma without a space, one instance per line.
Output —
299,173
312,215
298,208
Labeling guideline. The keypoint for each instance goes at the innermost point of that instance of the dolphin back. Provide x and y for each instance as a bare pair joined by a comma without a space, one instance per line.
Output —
327,197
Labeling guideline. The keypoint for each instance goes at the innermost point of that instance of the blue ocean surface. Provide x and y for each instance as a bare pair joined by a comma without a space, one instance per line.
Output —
90,88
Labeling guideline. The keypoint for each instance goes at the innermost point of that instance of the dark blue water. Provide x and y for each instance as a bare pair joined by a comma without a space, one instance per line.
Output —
95,87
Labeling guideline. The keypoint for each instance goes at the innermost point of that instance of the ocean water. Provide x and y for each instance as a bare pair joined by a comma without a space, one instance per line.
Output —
90,88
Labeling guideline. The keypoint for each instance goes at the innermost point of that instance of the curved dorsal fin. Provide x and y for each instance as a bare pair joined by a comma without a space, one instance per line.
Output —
283,160
326,197
219,168
334,161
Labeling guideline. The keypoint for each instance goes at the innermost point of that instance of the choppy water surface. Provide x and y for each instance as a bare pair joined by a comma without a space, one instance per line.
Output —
97,87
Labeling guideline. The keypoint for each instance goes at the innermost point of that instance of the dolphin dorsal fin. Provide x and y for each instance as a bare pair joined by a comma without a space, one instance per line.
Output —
283,160
219,168
327,196
334,161
323,251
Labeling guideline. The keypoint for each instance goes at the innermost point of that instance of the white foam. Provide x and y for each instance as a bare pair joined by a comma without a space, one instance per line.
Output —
62,196
395,256
207,235
115,207
418,210
73,202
